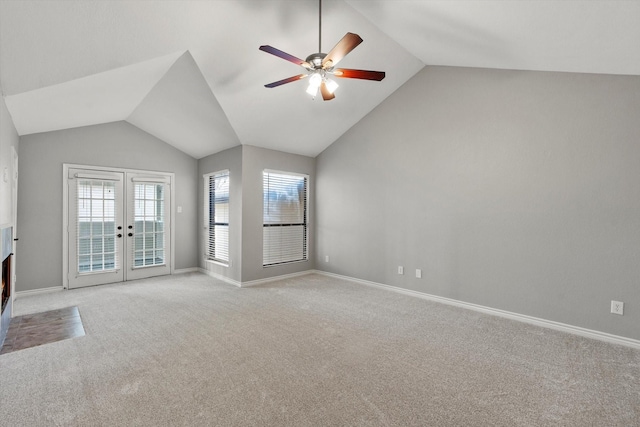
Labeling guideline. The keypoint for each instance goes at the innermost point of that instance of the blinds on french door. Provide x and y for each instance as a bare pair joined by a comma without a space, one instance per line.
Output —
284,218
149,240
217,222
97,246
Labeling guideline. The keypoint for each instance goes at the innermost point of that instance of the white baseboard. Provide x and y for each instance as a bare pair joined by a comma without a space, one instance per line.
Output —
254,282
563,327
220,277
275,278
38,291
185,270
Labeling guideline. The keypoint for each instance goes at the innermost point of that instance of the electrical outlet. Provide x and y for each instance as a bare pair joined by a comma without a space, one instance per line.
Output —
617,307
418,273
326,258
400,269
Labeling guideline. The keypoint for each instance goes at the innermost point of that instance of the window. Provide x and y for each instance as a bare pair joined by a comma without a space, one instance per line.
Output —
284,217
216,188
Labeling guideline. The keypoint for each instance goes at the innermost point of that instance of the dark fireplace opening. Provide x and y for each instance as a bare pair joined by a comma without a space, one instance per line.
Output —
6,282
6,254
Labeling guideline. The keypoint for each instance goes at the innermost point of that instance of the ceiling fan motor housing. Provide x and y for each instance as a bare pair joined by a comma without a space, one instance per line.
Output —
315,60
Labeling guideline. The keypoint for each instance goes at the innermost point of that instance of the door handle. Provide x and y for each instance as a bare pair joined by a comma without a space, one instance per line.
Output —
119,235
130,234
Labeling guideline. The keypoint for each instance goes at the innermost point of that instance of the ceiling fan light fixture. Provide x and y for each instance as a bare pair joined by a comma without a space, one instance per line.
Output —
331,85
314,84
315,79
312,90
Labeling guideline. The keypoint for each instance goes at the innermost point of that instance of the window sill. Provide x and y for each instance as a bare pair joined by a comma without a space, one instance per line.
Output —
285,263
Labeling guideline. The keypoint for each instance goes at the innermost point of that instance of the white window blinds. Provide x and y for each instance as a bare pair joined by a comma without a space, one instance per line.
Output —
96,226
149,247
217,216
284,218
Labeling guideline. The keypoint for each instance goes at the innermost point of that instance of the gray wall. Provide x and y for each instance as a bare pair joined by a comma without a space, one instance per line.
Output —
8,139
514,190
230,159
118,144
254,161
245,164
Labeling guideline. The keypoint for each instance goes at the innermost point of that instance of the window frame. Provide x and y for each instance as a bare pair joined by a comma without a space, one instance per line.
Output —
304,223
208,210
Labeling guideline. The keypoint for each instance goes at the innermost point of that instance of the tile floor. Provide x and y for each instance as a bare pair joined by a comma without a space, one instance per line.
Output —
32,330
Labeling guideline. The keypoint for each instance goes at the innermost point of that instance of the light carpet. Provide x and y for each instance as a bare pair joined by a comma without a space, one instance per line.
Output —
308,351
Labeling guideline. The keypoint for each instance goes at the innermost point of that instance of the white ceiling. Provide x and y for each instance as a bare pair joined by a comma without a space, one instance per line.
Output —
190,73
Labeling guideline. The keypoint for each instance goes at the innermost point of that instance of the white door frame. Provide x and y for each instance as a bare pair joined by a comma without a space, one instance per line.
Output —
133,179
65,211
116,180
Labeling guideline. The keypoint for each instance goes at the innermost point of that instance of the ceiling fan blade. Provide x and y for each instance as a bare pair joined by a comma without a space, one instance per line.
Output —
288,80
359,74
284,55
326,95
340,50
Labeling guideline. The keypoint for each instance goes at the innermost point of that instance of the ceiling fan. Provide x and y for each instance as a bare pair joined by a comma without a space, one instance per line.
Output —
320,66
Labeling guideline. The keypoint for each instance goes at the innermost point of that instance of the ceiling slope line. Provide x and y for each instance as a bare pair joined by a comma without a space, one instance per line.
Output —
100,98
183,111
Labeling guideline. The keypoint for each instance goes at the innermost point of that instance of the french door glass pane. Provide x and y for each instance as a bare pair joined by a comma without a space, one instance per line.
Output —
96,212
149,242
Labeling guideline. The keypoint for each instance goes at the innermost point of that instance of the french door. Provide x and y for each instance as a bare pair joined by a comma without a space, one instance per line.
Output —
119,226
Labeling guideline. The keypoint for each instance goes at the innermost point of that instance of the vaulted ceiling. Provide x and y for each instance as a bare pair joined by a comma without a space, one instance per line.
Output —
190,73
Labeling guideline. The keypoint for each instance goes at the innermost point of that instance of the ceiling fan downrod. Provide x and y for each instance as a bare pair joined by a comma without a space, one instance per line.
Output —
319,25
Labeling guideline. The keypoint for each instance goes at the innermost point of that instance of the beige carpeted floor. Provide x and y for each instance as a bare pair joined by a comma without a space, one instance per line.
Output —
310,351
